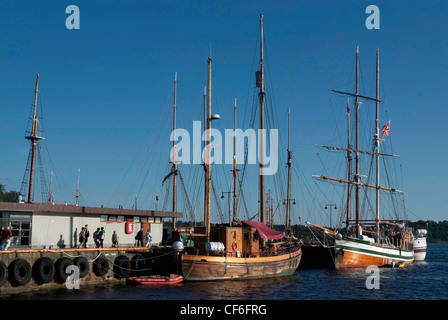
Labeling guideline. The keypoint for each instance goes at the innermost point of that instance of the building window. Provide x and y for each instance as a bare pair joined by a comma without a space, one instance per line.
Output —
255,237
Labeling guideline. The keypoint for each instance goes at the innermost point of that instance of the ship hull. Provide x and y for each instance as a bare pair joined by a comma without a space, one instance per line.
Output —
356,253
209,268
419,249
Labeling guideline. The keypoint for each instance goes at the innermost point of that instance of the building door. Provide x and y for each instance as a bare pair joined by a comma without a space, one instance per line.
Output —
21,232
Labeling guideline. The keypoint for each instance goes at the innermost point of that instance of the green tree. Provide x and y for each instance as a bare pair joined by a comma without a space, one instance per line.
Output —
7,196
437,231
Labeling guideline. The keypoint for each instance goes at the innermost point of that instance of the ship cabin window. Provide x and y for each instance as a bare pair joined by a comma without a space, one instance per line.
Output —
120,218
254,237
234,234
103,217
144,219
216,236
112,218
246,235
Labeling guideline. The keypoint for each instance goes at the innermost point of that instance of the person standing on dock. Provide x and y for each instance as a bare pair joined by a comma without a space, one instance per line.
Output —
86,229
101,237
114,240
148,238
82,238
6,238
139,238
1,237
96,237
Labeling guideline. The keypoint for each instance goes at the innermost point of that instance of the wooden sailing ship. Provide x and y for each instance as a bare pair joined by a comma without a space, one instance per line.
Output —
366,242
241,249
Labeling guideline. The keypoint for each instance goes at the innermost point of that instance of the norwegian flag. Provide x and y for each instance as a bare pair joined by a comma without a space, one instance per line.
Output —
386,130
348,109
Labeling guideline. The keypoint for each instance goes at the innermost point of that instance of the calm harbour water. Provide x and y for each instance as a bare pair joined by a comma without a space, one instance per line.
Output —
426,280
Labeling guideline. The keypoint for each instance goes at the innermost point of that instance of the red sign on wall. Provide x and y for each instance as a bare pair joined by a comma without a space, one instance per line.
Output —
129,227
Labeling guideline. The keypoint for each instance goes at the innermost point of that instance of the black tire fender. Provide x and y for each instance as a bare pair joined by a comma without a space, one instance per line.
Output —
138,262
101,266
83,265
20,272
61,266
3,273
44,270
122,267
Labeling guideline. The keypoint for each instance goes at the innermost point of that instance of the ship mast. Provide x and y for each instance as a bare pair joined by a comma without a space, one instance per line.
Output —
174,153
207,154
77,188
357,142
377,146
349,160
205,157
356,181
34,139
235,170
50,192
289,175
261,95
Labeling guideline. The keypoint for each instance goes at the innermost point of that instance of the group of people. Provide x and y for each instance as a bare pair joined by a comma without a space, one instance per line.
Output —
100,233
5,237
98,237
139,238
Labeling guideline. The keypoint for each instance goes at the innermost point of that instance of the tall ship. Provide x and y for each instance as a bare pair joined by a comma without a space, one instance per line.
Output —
242,249
361,242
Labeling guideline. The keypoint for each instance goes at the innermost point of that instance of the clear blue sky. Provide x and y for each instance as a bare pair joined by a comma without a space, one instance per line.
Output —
107,90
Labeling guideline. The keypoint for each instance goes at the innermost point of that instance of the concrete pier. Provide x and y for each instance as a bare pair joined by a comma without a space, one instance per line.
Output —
31,270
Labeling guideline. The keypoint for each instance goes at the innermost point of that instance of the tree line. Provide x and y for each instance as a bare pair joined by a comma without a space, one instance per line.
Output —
437,231
7,196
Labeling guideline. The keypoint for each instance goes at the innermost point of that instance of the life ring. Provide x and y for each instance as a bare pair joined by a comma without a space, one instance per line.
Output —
122,267
44,270
235,246
20,272
137,264
3,273
60,268
101,266
83,265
